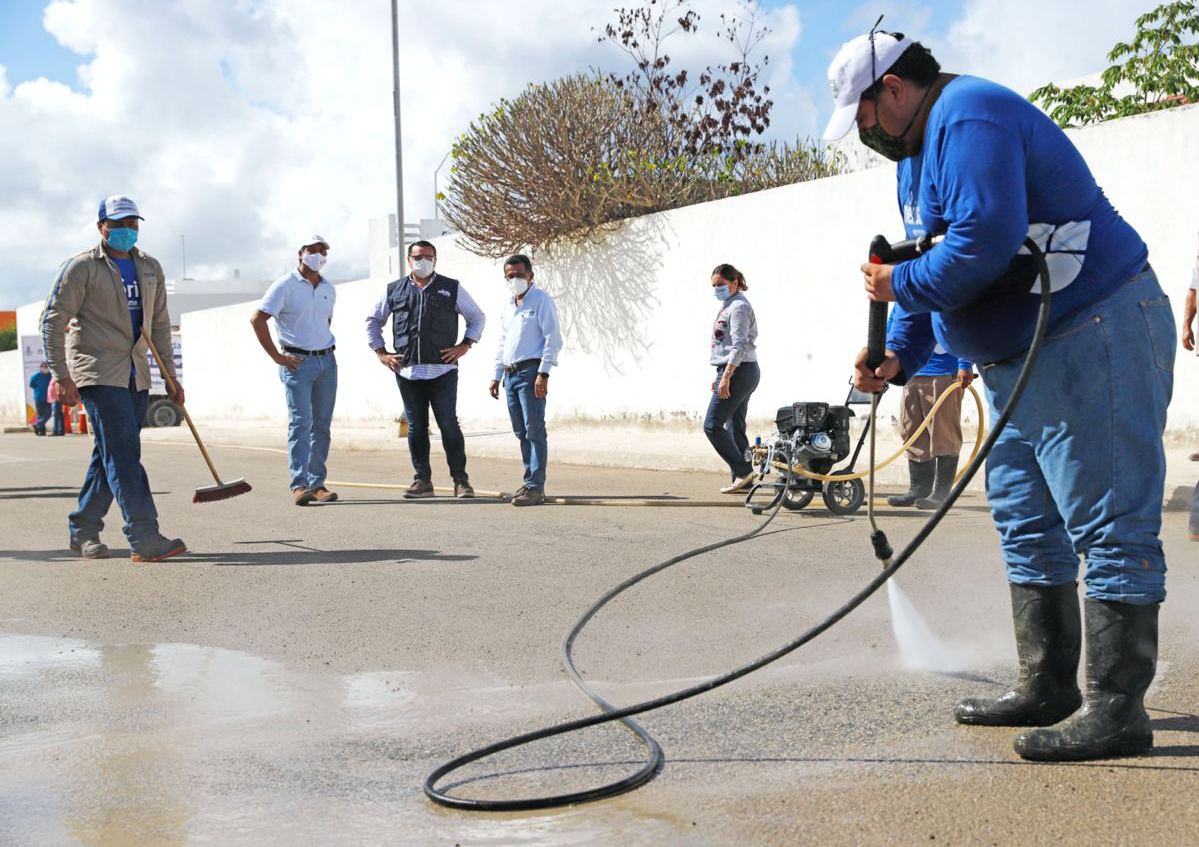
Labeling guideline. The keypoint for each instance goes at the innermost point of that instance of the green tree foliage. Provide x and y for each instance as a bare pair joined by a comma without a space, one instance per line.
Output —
8,339
565,160
1159,69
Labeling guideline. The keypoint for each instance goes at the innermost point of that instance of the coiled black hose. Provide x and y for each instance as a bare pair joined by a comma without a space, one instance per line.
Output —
655,757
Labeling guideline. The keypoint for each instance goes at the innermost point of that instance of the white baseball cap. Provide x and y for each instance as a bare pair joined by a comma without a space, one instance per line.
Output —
315,239
856,67
116,207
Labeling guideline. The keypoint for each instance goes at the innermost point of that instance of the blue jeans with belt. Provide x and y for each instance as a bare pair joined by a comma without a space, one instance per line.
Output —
115,416
1080,469
724,424
527,412
311,394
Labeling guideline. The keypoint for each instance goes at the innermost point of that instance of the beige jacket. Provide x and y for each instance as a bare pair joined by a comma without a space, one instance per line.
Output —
85,326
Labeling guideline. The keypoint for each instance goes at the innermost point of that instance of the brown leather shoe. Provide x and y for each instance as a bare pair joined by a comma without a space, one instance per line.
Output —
419,488
463,490
324,495
302,496
1195,457
530,497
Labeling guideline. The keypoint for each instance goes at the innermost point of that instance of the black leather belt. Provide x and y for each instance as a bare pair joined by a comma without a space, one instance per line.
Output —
520,366
298,352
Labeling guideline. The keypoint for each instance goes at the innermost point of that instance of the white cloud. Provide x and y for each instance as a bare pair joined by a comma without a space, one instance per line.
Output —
243,124
1025,43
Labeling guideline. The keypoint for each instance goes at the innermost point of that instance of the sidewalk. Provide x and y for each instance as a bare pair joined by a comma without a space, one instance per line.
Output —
676,447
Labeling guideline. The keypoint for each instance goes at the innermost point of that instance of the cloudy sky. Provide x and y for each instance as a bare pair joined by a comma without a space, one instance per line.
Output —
246,124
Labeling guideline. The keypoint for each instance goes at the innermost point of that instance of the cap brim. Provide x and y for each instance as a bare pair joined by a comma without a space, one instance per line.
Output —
122,217
842,119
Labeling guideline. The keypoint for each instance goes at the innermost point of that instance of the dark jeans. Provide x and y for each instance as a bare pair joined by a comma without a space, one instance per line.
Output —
442,394
41,415
725,422
56,413
1195,511
115,416
528,422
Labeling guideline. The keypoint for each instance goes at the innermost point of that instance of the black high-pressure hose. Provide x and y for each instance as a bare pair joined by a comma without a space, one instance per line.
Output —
610,713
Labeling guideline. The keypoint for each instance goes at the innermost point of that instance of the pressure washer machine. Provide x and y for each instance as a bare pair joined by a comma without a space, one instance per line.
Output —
810,439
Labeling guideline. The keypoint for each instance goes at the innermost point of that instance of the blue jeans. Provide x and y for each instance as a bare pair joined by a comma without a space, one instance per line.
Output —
56,414
115,416
311,394
41,415
1195,511
724,424
528,422
1080,469
442,394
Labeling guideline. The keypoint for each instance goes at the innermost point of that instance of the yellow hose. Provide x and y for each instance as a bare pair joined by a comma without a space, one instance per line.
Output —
978,441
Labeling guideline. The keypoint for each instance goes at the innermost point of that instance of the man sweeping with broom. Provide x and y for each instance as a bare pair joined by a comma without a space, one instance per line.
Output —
102,308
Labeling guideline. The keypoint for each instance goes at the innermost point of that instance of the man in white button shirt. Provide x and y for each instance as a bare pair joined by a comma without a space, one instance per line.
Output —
530,339
301,303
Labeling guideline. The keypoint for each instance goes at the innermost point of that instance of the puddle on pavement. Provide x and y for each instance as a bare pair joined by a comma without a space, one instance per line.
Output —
178,743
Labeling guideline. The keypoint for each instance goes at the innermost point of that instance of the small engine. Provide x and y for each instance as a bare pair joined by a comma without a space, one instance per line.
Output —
812,438
823,433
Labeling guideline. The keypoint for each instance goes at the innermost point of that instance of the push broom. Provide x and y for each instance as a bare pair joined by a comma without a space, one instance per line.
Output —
207,493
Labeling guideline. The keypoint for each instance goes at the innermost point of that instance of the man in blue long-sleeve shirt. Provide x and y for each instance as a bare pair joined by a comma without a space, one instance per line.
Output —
933,457
1080,469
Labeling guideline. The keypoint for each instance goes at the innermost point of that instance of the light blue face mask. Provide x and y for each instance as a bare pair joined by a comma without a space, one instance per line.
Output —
721,292
122,239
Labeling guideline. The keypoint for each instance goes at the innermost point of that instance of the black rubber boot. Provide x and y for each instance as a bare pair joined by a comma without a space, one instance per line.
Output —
1048,643
1121,662
921,474
947,468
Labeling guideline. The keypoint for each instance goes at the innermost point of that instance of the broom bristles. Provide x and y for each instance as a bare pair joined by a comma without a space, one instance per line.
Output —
224,491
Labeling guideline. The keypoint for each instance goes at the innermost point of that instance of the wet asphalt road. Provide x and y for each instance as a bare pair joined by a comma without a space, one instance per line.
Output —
294,678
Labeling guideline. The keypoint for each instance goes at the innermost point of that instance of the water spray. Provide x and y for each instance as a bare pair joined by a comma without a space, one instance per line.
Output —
901,251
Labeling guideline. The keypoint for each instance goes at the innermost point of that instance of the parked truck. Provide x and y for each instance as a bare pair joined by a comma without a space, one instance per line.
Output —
161,411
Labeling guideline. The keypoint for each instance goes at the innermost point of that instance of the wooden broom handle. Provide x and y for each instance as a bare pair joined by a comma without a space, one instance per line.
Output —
165,376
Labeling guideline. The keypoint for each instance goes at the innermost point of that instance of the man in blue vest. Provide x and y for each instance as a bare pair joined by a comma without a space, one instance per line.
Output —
1080,468
424,308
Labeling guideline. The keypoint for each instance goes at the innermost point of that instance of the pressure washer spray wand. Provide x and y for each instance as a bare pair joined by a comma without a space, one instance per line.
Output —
883,252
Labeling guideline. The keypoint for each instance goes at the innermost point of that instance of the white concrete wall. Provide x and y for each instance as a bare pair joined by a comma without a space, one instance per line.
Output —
639,306
12,393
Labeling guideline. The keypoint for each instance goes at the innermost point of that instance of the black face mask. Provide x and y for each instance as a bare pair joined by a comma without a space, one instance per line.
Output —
892,147
887,146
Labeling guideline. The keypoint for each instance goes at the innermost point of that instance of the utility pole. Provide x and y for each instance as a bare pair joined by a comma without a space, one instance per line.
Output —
395,60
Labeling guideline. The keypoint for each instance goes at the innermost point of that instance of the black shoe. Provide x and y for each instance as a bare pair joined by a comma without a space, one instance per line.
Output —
1048,643
157,549
89,548
947,468
463,490
530,497
921,485
418,489
1121,662
518,492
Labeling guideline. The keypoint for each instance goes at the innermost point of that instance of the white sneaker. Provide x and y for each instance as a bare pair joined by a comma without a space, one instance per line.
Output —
739,485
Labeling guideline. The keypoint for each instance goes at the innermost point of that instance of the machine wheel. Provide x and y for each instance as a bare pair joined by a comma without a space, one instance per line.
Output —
163,413
844,498
796,500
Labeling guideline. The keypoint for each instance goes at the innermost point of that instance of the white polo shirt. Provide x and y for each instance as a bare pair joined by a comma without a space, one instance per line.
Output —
302,312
